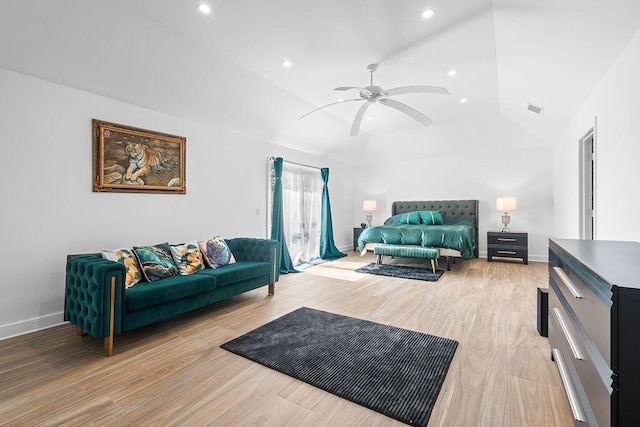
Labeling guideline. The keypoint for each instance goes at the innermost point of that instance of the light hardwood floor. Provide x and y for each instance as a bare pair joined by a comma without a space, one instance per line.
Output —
174,373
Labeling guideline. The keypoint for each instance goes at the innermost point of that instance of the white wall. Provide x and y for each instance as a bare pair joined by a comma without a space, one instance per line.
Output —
49,210
613,104
515,164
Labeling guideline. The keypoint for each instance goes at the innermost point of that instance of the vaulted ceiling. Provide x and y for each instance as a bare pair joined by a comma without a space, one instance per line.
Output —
226,67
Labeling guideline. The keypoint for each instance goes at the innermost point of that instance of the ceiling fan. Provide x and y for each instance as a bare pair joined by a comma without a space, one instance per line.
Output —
372,94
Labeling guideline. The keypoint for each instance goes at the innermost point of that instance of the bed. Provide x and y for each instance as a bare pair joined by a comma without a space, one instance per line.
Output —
456,238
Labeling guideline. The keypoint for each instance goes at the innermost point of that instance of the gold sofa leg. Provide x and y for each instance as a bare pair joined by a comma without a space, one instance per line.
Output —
108,341
80,332
272,286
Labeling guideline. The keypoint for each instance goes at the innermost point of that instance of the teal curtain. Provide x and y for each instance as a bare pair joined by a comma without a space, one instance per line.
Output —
328,248
277,228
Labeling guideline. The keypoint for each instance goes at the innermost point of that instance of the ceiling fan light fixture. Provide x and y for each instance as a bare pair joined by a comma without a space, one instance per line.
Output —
372,94
287,63
204,8
428,13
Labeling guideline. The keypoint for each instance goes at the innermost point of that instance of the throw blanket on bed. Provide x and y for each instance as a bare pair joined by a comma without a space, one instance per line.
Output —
456,234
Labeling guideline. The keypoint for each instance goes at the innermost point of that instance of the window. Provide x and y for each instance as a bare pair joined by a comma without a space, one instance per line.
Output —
302,204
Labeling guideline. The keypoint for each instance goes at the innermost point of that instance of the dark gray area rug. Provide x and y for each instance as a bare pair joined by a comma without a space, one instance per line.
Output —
402,271
391,370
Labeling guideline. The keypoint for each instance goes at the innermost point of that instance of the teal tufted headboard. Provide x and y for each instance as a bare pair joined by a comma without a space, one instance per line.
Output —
448,209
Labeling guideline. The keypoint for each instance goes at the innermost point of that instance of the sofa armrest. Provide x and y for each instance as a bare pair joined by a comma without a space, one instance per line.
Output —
257,250
88,294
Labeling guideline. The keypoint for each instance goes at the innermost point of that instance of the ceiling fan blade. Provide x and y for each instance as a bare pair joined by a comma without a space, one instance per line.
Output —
361,89
355,128
328,105
416,89
404,108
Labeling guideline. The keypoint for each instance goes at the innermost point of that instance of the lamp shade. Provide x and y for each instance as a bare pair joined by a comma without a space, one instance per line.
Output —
369,206
506,204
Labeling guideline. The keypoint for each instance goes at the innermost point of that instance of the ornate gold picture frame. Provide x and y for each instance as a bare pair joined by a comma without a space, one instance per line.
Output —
132,160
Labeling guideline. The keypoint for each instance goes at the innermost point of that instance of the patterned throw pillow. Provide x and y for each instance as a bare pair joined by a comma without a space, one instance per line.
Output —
188,258
156,261
216,252
125,257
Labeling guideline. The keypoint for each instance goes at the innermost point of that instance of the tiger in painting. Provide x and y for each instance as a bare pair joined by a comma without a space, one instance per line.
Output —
141,160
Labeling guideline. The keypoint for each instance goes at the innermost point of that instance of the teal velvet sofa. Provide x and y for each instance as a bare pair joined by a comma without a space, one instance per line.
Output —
99,304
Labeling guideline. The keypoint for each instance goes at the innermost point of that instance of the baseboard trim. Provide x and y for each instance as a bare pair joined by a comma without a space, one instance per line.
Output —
481,254
31,325
345,248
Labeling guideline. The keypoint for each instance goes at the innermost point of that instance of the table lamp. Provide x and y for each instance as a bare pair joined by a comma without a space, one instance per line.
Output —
506,204
369,206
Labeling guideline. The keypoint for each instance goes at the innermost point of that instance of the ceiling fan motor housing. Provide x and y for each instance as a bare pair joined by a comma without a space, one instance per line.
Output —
374,92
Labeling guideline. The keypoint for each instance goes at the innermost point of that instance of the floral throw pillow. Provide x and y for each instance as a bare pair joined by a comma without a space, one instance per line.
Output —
216,252
156,261
188,258
125,257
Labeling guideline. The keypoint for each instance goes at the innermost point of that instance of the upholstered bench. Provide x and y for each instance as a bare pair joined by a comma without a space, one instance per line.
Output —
408,251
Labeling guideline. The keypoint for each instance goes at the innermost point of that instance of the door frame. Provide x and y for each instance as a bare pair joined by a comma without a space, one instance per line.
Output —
587,182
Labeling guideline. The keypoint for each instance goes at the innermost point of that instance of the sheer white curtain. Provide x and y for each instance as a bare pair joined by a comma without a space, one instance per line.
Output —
302,204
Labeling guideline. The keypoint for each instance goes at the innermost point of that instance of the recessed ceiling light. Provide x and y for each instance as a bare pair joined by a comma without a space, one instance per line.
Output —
287,63
340,99
464,100
428,13
453,72
369,118
204,8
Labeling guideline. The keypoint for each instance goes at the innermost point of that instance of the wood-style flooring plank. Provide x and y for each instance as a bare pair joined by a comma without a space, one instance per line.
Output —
175,373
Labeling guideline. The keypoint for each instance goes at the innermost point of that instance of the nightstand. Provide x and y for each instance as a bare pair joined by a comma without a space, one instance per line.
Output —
356,234
508,245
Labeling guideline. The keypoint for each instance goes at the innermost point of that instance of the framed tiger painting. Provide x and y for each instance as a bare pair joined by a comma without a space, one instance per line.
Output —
132,160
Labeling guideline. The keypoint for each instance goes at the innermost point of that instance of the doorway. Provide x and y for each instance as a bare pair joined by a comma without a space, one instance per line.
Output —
588,185
302,207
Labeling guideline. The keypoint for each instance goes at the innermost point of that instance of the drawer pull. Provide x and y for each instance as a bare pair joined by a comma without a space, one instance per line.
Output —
508,252
574,403
567,334
503,239
568,283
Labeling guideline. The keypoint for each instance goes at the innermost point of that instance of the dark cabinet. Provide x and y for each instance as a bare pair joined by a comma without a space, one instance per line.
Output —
594,319
507,245
356,235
